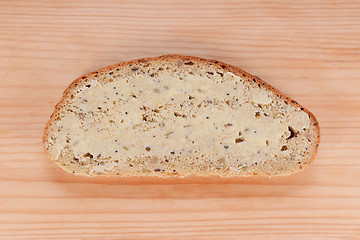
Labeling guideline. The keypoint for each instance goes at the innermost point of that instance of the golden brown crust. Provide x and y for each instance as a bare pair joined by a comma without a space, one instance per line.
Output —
235,70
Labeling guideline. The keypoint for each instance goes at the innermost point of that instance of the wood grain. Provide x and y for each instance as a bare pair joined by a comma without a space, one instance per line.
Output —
310,50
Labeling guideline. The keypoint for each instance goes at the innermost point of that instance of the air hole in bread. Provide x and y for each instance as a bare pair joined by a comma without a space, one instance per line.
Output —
88,155
239,140
284,148
292,133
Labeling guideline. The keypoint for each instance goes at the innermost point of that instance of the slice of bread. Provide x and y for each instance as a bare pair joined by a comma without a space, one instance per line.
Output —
177,116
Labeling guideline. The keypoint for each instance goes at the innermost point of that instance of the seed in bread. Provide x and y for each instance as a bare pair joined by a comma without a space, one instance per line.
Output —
177,116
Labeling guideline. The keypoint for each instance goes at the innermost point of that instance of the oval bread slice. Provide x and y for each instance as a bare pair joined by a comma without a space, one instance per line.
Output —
177,116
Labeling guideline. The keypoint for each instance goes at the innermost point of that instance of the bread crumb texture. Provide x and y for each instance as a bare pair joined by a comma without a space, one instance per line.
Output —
177,116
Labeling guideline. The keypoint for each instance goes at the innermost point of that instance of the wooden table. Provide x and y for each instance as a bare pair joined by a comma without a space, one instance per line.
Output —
310,50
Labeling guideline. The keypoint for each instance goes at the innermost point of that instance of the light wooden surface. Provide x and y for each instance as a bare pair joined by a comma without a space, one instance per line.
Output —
310,50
